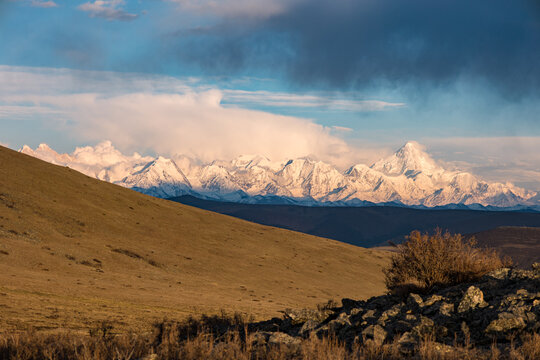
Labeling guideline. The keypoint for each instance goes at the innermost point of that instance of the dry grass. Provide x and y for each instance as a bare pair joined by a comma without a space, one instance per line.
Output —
235,344
425,261
157,258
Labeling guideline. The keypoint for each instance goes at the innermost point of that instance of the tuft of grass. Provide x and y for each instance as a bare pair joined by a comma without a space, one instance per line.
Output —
425,261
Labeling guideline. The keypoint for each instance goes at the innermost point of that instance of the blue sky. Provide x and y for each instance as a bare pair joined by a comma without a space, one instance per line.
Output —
345,81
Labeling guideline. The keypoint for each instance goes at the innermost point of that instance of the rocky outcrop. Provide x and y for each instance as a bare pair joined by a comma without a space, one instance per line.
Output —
502,306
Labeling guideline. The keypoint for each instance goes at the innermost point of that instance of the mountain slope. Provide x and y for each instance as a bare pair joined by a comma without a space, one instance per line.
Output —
521,243
369,225
75,250
410,176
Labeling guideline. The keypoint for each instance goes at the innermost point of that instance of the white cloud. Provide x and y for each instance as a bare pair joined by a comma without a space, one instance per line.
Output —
194,124
43,4
169,116
342,129
267,98
107,9
189,121
237,8
507,158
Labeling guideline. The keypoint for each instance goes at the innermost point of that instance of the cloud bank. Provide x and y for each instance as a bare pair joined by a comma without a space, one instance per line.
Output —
107,9
43,4
504,158
236,8
148,116
166,115
348,43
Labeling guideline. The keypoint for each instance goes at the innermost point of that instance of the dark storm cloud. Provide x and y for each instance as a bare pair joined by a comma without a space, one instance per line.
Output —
344,43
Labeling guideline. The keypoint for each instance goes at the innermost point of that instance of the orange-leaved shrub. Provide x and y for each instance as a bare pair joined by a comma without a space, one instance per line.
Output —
441,259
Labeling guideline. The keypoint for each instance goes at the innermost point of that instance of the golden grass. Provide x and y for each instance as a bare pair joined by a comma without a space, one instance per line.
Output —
75,251
236,344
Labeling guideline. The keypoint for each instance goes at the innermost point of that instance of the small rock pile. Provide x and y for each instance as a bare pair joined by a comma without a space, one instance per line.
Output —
501,307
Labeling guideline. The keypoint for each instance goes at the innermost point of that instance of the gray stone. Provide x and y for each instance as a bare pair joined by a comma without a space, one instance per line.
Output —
446,309
433,299
308,326
474,297
338,324
407,340
355,311
452,314
375,333
300,316
414,301
499,273
505,322
389,314
370,314
279,338
424,327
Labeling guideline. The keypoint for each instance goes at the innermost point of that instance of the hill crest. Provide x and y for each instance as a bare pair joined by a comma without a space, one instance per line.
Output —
75,250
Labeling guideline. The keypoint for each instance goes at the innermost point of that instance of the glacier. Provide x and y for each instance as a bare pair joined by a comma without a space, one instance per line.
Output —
409,177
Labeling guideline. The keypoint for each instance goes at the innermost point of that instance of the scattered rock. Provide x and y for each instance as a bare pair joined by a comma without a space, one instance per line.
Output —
473,297
375,333
279,338
499,273
308,326
506,322
459,311
424,327
446,309
432,300
415,301
301,316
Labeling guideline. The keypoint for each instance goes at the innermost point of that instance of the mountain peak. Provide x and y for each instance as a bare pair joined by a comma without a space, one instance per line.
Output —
409,160
44,147
247,161
410,176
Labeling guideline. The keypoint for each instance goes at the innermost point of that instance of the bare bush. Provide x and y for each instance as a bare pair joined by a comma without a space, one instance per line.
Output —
425,261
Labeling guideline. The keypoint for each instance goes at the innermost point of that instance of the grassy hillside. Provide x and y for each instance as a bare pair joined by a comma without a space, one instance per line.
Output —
366,226
522,244
75,251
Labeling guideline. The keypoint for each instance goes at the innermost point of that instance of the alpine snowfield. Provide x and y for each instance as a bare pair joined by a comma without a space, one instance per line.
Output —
410,177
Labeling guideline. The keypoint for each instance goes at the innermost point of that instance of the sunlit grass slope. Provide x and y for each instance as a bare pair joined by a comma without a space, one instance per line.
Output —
75,251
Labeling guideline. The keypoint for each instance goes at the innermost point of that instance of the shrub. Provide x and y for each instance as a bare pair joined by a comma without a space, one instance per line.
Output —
425,261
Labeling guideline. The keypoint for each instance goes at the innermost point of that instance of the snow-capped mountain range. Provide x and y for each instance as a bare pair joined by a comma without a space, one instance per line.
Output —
409,177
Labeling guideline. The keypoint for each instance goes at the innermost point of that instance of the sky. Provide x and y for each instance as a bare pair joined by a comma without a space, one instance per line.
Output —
344,81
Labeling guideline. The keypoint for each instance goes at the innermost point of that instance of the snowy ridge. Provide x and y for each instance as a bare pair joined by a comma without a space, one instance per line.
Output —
409,177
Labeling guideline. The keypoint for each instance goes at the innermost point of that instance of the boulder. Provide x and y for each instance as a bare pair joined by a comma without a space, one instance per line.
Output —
375,333
473,297
506,322
414,301
279,338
